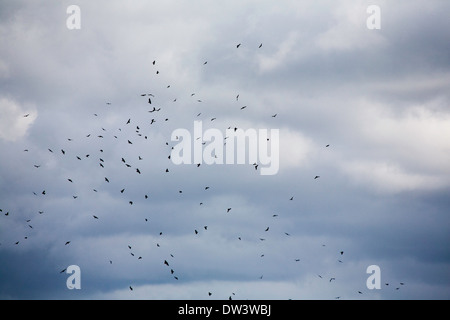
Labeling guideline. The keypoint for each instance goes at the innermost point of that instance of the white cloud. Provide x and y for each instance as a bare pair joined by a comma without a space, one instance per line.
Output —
15,119
295,149
387,177
349,30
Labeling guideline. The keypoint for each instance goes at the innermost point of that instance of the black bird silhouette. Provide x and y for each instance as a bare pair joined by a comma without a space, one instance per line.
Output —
316,177
260,45
149,101
129,120
327,146
138,171
228,210
95,217
106,179
166,263
267,229
238,45
67,243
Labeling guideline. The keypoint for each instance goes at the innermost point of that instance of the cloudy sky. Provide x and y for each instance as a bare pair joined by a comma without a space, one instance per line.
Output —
379,98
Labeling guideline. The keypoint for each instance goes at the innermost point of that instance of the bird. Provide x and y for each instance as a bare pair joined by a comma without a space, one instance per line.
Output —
67,243
327,146
292,198
273,116
166,263
95,217
149,101
131,288
138,171
238,45
316,177
106,179
260,45
228,210
267,229
25,116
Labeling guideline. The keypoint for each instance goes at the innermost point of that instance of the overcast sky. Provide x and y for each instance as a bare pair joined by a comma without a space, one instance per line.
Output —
311,69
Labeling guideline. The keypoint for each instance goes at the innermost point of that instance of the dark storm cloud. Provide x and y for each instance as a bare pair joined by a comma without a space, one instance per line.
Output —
376,96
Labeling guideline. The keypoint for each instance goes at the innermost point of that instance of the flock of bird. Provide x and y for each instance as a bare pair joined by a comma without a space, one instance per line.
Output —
134,125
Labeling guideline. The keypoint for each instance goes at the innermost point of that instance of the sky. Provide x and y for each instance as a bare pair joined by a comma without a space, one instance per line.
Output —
87,170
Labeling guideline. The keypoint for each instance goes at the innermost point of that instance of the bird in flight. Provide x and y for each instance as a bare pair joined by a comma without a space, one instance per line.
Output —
316,177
